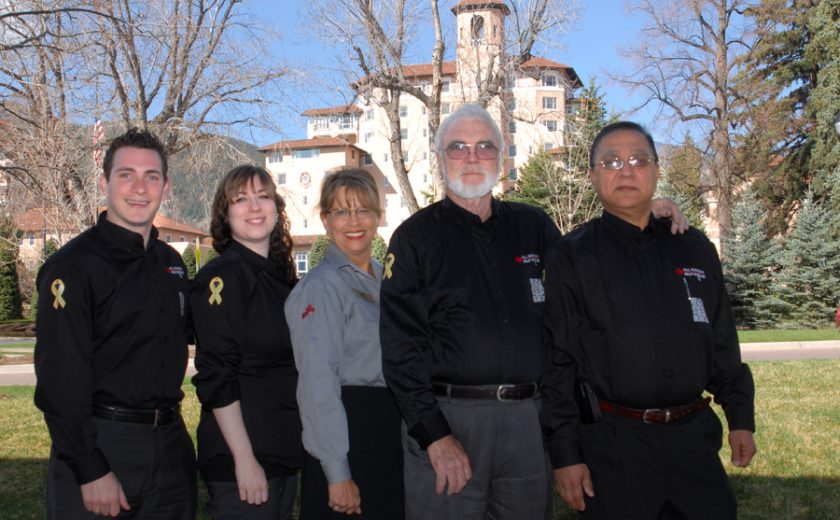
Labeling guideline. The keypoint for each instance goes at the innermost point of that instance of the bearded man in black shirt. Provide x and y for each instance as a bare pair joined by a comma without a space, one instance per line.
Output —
111,353
640,326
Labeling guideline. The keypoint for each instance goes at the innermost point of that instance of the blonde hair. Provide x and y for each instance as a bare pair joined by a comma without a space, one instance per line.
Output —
355,181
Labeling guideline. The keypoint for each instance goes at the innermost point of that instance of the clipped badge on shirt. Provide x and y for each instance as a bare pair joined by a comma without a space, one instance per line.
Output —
698,311
363,295
537,290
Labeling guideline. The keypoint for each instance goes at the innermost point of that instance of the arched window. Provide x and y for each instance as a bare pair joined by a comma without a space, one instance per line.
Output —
477,28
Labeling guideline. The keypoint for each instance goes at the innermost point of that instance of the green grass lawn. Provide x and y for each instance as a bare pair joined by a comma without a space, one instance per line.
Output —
762,336
796,474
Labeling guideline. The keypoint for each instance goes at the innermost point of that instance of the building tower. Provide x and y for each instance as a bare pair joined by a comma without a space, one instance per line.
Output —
481,42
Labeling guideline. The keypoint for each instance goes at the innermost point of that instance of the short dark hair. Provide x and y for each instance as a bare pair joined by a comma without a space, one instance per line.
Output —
614,127
134,138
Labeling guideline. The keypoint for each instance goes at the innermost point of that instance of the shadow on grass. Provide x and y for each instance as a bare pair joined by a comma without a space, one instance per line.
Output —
22,491
761,498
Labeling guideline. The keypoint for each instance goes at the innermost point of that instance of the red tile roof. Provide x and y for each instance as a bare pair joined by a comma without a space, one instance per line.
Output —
347,140
333,111
537,62
425,69
467,5
162,222
34,219
304,240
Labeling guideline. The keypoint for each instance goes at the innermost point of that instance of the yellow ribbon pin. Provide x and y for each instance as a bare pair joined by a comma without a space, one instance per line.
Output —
216,285
57,289
389,263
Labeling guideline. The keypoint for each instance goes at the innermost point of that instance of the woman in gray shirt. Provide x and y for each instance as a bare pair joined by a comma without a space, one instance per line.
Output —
351,425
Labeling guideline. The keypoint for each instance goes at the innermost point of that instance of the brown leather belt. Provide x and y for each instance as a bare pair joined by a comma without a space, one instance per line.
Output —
503,392
152,416
655,415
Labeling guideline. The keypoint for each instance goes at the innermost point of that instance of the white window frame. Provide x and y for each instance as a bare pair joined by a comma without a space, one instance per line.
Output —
549,103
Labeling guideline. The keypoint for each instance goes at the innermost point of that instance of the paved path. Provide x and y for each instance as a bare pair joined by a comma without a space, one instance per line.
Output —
780,351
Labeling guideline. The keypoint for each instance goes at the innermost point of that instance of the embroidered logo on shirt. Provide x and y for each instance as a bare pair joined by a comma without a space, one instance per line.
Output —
531,258
389,263
216,286
689,272
176,270
307,311
57,289
537,290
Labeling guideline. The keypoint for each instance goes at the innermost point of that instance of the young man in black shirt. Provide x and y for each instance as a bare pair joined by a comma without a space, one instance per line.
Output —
111,353
640,319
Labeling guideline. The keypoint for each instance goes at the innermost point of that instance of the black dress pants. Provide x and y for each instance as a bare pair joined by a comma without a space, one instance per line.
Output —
154,465
652,471
374,422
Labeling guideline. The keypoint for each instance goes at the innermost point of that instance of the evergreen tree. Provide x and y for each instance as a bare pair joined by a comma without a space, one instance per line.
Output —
751,258
681,181
379,249
189,262
318,251
49,248
809,278
9,290
559,183
210,255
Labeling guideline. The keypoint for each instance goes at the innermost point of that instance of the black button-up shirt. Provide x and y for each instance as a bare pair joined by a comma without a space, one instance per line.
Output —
644,316
244,354
462,303
112,329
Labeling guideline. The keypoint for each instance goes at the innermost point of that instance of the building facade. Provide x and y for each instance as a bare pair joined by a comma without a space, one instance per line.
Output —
531,112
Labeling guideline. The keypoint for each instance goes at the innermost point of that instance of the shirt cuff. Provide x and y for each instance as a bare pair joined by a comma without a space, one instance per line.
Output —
740,418
564,453
337,471
430,429
90,469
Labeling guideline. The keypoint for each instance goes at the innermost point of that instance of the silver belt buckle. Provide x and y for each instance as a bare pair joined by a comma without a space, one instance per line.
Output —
499,392
157,417
654,411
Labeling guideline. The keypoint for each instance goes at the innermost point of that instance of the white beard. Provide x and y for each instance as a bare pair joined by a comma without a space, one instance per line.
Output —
473,191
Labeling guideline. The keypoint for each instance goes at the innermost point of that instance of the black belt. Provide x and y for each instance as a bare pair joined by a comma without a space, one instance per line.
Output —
152,416
503,392
655,415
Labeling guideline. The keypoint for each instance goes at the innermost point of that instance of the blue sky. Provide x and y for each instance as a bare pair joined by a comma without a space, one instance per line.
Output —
592,49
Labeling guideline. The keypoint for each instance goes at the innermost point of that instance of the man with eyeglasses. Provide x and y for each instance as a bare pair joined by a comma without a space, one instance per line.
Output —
462,339
640,326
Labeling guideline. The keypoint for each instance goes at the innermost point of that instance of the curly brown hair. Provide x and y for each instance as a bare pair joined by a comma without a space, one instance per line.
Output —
280,240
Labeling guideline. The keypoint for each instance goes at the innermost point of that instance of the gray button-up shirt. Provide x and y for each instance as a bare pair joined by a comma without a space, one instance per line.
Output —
333,316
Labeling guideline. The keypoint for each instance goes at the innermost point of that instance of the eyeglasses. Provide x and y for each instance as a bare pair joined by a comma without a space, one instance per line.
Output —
344,213
617,163
483,151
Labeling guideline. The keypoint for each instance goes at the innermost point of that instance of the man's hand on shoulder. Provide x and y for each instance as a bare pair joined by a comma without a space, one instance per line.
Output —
664,207
104,496
451,465
743,447
572,482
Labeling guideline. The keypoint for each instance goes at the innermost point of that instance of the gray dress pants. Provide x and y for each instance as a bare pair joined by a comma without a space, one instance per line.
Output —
512,478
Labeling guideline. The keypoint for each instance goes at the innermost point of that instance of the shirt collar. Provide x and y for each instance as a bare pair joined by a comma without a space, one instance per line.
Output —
122,236
335,257
625,230
257,262
468,217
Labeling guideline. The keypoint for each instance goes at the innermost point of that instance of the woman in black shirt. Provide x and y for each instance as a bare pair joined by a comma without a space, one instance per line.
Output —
249,447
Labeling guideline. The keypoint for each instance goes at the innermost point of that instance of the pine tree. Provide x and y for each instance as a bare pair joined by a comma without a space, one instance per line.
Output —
209,255
9,290
189,262
379,249
681,181
49,248
318,251
751,258
559,183
809,279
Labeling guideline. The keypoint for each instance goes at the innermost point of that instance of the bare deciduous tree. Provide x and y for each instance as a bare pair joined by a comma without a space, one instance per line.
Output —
379,51
687,60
